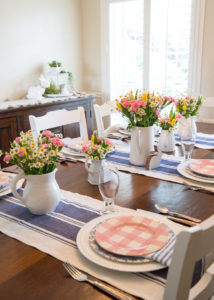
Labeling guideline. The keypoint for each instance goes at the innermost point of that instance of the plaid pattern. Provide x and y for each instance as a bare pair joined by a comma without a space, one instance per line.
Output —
131,235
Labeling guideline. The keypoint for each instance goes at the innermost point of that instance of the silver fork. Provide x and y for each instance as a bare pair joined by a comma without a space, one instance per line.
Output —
77,275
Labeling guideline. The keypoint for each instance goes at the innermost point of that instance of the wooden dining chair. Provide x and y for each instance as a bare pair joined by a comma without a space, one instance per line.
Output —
102,111
192,245
58,118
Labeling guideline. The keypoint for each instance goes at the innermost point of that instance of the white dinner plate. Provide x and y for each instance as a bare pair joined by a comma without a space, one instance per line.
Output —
126,132
69,152
87,251
184,170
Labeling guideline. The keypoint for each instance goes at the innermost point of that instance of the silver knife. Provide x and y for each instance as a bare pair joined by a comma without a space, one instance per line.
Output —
182,221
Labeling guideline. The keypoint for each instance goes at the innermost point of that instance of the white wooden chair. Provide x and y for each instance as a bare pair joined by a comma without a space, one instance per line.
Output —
192,245
101,111
60,118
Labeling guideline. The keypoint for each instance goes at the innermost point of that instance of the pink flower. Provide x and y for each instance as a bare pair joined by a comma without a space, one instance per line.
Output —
126,104
99,139
160,102
21,153
108,142
157,113
6,158
17,139
142,103
84,148
47,133
135,105
160,121
57,142
43,146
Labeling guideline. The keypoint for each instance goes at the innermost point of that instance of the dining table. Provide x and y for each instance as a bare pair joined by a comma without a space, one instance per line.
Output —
28,273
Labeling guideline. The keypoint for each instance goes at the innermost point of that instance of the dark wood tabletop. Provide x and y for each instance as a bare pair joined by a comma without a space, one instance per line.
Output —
26,273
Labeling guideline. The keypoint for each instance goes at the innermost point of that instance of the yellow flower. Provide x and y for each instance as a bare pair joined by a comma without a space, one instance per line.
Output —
172,122
119,108
184,107
92,138
144,97
22,148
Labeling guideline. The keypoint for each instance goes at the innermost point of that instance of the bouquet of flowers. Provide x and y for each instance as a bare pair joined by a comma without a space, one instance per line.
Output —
188,106
35,157
142,109
98,147
168,122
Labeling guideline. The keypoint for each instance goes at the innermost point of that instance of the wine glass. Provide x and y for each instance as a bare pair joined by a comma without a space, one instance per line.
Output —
187,134
108,187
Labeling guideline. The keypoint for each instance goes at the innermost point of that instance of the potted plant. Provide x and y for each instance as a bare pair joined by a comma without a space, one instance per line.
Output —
96,151
142,111
52,89
167,124
37,159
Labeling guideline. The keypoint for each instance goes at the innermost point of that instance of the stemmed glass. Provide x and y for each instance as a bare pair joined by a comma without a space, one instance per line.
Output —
187,134
108,187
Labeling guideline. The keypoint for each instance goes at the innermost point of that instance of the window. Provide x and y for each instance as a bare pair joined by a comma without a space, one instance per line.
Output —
152,44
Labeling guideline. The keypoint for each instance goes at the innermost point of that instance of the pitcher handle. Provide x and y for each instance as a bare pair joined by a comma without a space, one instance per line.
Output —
14,184
87,164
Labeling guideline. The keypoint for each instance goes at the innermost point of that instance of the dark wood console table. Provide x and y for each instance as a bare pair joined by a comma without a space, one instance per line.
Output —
14,120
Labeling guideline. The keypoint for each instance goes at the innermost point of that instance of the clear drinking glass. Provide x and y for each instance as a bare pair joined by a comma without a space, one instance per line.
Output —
108,187
187,134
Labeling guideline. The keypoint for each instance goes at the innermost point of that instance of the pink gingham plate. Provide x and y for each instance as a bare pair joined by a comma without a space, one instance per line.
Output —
131,235
204,167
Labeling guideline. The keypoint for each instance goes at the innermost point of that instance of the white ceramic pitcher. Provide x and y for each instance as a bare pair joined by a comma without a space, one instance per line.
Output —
94,170
41,194
167,141
142,143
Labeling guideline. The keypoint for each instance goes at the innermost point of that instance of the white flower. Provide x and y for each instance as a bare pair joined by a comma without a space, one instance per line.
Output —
96,158
52,153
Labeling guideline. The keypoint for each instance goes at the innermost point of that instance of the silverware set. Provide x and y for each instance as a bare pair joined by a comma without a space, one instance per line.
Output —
177,217
80,276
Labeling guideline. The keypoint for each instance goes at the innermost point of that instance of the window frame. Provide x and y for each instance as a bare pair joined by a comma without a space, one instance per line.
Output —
196,44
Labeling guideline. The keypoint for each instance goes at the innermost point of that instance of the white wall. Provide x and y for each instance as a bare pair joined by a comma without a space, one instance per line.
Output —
91,37
33,32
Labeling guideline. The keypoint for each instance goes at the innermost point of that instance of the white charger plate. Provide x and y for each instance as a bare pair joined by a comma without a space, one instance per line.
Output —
184,170
69,152
86,250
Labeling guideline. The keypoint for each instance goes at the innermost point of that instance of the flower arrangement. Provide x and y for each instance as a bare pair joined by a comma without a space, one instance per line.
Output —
188,106
98,147
168,122
35,157
142,109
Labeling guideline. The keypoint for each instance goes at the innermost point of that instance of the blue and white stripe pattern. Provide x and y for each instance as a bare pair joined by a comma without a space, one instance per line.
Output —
122,158
65,222
201,139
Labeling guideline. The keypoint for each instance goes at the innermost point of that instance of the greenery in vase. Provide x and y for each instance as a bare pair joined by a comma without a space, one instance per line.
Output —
35,157
52,89
142,109
188,106
70,76
168,122
55,64
98,147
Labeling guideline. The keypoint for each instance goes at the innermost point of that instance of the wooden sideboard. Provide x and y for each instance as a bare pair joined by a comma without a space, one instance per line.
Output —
14,120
